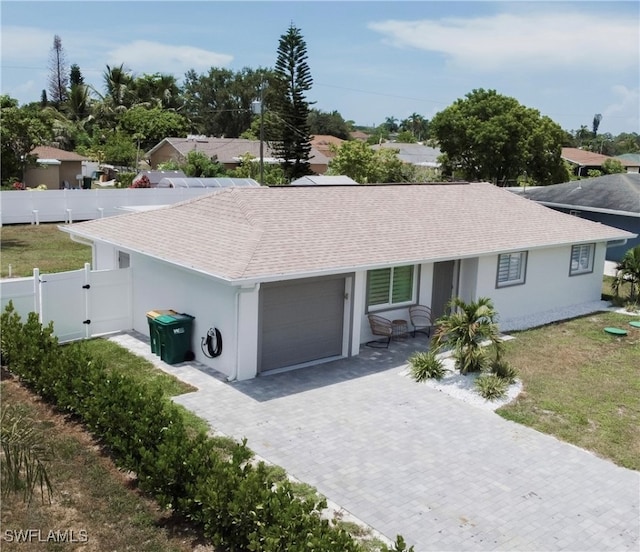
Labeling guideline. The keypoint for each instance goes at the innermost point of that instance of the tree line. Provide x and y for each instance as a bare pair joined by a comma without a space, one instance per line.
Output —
482,136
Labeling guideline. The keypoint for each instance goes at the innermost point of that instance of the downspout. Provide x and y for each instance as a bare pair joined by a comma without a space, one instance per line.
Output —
239,291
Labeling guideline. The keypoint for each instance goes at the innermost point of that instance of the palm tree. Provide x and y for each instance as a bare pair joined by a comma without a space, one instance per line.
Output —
23,456
466,329
628,270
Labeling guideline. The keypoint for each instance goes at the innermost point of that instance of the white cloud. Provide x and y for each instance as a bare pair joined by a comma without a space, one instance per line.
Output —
150,57
25,45
524,40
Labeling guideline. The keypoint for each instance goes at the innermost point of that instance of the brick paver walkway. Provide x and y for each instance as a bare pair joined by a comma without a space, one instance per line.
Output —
407,459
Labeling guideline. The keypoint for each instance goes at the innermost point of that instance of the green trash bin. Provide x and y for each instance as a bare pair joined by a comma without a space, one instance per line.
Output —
154,329
175,337
86,182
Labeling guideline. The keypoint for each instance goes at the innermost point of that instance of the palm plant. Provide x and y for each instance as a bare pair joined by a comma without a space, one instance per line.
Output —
465,330
23,455
628,271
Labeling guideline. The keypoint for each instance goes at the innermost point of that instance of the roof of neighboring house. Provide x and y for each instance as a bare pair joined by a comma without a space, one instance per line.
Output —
584,158
629,159
337,180
359,135
618,193
262,234
48,152
323,143
416,154
228,150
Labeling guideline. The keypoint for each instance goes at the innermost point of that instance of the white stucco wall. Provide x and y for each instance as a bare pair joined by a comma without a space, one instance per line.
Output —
157,285
547,286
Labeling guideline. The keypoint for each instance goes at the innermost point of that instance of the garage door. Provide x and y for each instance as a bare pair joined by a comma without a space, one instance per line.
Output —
301,321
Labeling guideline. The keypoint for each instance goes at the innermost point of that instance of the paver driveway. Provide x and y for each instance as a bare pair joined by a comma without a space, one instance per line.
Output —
407,459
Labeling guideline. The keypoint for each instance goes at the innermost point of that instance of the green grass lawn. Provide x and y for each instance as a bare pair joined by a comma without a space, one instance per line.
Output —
43,246
143,371
581,385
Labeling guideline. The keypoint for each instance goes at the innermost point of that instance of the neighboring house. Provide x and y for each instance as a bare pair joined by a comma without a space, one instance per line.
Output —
323,143
630,160
337,180
289,274
613,199
55,168
582,161
156,176
359,135
414,154
227,151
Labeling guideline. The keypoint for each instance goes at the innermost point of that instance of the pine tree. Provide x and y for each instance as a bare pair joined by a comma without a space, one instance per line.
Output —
59,73
292,142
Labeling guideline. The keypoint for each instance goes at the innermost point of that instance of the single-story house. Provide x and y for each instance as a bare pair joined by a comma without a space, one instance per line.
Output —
414,154
630,160
583,161
289,274
226,151
55,168
613,199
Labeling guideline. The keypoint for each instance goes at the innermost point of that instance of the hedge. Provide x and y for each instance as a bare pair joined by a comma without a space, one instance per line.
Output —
239,504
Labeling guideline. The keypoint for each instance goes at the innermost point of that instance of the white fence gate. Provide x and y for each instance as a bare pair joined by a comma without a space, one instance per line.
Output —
80,303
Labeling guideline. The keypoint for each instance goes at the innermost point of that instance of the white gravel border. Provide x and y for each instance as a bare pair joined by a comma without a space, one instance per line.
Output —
463,388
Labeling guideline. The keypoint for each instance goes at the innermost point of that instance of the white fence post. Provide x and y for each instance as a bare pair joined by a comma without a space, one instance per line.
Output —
87,298
37,290
35,219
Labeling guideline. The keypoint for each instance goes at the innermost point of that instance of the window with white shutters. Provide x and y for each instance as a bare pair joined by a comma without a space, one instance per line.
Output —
388,287
512,268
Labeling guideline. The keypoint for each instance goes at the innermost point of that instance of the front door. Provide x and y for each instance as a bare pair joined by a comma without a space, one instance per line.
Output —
442,287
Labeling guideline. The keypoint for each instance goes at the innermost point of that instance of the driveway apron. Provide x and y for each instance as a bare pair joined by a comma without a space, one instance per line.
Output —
407,459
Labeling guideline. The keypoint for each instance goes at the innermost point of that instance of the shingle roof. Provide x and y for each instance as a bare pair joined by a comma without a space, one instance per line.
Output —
612,192
416,154
591,159
228,150
48,152
272,233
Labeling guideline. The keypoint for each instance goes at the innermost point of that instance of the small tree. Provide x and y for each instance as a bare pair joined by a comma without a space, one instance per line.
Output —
293,79
465,330
628,271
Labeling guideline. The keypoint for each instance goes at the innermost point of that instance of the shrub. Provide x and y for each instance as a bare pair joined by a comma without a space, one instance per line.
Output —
504,370
465,330
491,387
125,179
143,182
209,481
425,365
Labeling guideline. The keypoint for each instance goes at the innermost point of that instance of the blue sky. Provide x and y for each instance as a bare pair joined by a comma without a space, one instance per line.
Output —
369,59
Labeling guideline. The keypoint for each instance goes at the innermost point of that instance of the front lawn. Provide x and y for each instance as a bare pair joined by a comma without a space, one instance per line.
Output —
581,385
43,246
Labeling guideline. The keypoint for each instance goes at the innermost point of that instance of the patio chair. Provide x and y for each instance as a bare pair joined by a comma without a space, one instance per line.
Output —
382,327
421,319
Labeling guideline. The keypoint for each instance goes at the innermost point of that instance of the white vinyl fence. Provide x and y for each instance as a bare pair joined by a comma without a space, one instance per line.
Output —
80,303
36,206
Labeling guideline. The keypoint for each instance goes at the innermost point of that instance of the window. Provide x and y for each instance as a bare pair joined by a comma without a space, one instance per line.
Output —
390,287
582,259
512,268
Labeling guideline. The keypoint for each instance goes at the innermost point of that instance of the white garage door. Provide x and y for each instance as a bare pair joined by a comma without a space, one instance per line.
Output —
301,321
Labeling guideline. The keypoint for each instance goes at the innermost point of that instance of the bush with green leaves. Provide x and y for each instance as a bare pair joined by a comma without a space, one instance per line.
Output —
239,505
425,365
491,387
466,330
503,369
